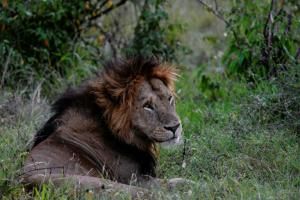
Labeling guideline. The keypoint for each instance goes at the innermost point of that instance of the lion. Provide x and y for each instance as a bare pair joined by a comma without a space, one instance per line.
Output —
108,129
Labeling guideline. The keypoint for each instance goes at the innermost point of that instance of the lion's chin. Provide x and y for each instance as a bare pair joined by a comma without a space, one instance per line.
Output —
173,143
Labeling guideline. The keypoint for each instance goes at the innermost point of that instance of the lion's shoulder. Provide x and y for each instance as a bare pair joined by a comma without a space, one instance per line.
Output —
78,99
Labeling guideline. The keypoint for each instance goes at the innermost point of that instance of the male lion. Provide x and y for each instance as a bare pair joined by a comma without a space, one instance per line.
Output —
108,128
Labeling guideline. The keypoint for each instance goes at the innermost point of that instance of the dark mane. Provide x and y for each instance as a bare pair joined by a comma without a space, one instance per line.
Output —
72,97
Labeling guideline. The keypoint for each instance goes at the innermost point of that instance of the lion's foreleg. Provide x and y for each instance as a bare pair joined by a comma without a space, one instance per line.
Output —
97,185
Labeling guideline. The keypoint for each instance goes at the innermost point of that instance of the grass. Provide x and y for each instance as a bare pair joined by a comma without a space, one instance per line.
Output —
228,151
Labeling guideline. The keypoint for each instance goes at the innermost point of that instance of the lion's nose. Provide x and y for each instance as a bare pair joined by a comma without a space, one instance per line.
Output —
172,128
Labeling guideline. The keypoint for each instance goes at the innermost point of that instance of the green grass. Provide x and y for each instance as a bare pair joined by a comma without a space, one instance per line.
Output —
228,151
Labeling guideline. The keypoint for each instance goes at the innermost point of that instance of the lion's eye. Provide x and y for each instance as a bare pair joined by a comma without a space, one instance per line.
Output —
148,106
171,99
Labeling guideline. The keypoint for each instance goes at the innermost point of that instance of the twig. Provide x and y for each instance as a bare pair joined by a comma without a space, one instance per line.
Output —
215,12
289,24
220,16
216,5
271,20
297,54
87,22
267,28
280,10
102,4
109,39
184,154
5,68
121,2
268,36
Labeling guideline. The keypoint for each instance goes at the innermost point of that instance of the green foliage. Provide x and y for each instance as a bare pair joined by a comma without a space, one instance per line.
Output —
37,40
44,42
209,86
263,37
39,30
154,35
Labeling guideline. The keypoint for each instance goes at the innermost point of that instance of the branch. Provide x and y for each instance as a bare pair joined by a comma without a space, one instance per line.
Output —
120,3
297,54
215,12
183,155
5,68
289,24
268,36
87,22
267,28
216,5
102,4
219,15
109,38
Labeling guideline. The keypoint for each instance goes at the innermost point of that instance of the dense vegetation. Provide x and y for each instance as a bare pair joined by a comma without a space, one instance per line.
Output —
238,94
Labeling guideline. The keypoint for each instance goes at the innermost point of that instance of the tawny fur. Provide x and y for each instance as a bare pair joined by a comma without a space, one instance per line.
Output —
92,131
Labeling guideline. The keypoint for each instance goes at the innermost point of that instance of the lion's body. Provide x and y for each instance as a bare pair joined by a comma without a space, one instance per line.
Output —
82,144
99,129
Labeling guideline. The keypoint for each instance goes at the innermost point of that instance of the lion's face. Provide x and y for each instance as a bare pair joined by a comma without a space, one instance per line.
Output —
154,116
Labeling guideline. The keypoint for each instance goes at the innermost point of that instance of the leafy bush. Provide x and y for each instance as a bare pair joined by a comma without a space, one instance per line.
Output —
42,41
154,35
263,37
46,41
35,37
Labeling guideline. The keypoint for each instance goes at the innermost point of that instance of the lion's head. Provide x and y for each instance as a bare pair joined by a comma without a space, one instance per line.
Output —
138,101
154,114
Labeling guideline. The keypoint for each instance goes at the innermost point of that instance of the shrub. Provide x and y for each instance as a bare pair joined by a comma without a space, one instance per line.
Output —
154,35
41,41
35,35
263,37
46,41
